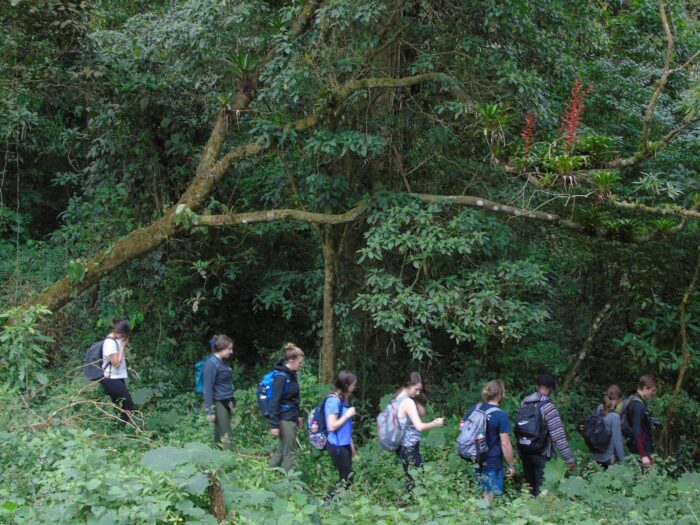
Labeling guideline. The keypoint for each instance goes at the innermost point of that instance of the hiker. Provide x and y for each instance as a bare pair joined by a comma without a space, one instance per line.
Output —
611,420
539,430
409,419
637,422
490,473
339,414
217,388
284,415
115,369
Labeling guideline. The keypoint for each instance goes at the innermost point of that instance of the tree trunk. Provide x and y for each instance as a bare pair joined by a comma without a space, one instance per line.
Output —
327,356
683,309
216,497
602,316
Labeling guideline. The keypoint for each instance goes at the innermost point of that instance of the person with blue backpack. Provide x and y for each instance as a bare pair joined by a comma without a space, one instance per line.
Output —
539,430
284,415
409,420
338,415
490,442
217,388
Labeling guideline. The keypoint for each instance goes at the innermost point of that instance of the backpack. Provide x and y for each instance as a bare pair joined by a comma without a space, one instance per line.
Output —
530,429
471,442
625,424
389,431
264,391
595,434
199,375
316,424
92,364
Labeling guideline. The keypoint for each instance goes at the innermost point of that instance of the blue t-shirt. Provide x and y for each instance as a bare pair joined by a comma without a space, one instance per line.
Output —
342,436
497,424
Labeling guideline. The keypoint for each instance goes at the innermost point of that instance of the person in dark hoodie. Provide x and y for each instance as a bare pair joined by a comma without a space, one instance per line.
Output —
217,379
285,416
639,420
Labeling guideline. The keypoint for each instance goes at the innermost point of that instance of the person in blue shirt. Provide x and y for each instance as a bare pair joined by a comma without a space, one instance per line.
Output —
339,414
217,379
489,475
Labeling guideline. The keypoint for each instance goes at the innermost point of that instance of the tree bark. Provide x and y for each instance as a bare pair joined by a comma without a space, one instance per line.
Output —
327,354
216,497
683,312
598,322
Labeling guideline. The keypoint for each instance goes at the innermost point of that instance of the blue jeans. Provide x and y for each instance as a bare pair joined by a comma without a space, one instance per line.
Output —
490,481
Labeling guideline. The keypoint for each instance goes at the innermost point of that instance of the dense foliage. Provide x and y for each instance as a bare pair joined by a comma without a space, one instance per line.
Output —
470,188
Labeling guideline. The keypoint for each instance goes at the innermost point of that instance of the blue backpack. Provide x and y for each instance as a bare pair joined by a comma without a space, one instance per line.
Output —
264,391
199,375
316,424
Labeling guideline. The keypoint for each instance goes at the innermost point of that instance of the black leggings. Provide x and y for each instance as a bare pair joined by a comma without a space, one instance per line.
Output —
117,390
342,459
410,458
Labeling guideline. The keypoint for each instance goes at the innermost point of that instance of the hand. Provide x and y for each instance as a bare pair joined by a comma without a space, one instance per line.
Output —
350,412
300,422
275,432
352,449
211,418
571,466
511,471
646,462
438,421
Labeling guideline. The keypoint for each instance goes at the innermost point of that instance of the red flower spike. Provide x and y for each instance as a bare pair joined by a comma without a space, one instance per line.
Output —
528,132
572,116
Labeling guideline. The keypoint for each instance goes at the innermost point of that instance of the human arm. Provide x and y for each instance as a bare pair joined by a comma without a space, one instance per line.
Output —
412,414
556,431
616,436
208,381
507,449
114,351
275,400
635,413
333,422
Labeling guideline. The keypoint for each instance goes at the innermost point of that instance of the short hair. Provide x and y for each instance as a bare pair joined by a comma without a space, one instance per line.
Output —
545,380
647,381
493,390
292,352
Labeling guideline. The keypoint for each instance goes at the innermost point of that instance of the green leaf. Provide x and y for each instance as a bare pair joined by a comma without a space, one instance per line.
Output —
164,459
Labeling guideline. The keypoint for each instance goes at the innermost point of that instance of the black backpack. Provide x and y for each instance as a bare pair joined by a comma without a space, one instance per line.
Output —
594,433
530,429
92,364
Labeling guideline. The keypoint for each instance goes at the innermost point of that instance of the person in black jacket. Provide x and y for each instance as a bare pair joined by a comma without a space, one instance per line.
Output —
285,416
217,378
640,421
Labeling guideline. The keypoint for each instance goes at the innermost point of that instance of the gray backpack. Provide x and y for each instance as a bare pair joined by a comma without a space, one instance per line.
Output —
92,364
471,442
389,430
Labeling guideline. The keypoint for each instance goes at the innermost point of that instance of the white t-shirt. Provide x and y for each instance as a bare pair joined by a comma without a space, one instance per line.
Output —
110,347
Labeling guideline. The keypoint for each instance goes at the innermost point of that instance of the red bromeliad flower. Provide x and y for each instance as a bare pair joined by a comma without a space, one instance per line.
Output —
572,117
528,131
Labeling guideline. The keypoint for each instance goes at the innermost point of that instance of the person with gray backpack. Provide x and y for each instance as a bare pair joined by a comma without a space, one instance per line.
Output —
408,417
484,439
602,432
114,370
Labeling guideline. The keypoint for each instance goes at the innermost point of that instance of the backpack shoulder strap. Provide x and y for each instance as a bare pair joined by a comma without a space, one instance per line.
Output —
491,410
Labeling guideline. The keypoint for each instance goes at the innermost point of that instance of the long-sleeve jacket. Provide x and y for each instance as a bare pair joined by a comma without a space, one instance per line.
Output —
615,446
555,427
217,379
640,425
284,399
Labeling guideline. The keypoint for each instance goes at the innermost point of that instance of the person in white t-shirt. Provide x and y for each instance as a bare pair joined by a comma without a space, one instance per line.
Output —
114,366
